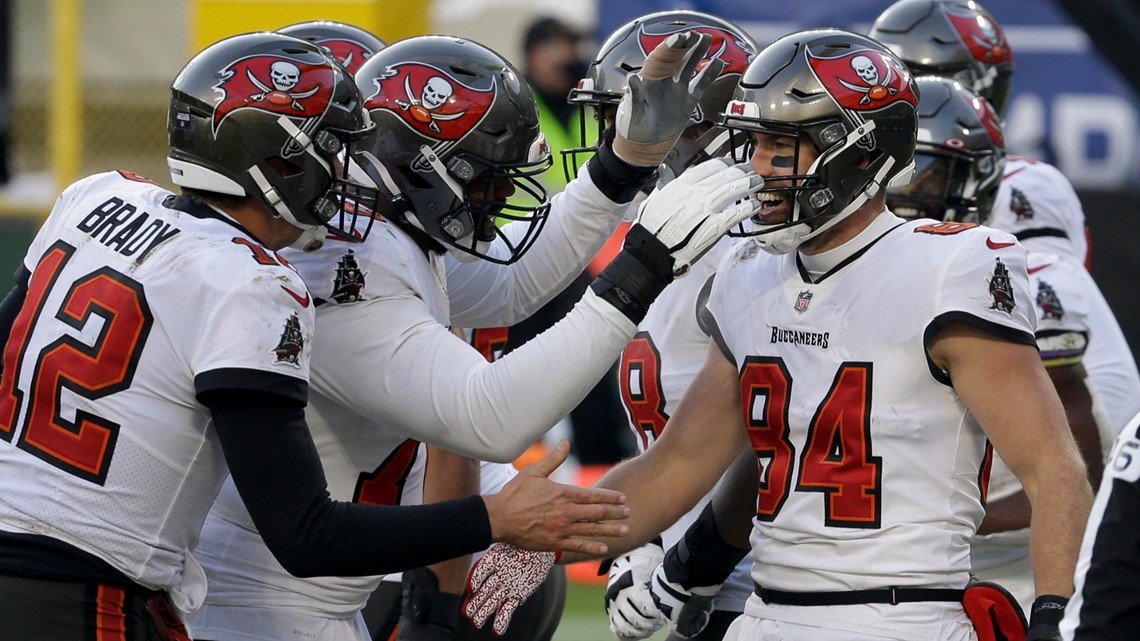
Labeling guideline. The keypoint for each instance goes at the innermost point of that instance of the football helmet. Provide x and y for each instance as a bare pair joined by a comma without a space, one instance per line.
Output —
954,38
272,116
624,52
959,158
350,45
457,132
853,100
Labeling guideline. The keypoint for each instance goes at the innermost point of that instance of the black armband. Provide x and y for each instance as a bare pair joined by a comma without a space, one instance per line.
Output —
615,178
1048,610
637,275
701,557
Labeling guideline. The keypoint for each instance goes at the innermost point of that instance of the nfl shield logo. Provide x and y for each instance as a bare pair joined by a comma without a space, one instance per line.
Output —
803,300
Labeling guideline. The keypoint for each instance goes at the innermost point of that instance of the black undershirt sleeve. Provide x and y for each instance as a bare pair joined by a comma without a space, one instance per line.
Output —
10,306
276,469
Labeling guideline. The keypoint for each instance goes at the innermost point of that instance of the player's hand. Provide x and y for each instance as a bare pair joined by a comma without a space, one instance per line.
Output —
633,615
686,610
532,512
426,613
1045,618
675,226
690,213
501,581
661,97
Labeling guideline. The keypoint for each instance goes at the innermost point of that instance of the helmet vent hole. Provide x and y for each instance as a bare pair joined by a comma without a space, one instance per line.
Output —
463,71
283,167
625,66
296,51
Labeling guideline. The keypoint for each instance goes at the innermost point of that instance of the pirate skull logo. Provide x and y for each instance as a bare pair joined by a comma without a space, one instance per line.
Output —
284,76
868,72
435,94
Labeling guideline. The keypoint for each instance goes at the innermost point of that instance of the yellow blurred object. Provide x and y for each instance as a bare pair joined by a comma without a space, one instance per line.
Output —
213,20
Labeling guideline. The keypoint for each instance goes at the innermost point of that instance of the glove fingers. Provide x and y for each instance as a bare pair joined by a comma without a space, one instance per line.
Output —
481,604
740,189
503,618
703,80
696,54
665,58
700,172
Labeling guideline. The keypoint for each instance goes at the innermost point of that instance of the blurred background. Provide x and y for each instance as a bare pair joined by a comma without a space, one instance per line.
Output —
83,88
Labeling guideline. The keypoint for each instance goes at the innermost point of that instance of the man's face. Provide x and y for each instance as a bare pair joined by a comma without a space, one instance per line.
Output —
774,156
488,195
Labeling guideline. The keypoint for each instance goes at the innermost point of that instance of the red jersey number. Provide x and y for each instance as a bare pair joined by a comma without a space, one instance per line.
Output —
84,445
639,377
836,459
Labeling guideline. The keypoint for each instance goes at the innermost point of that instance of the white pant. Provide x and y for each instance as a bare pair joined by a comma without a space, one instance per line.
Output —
750,628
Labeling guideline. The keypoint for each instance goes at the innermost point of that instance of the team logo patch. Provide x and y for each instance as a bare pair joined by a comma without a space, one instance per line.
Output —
1001,289
802,301
348,283
864,80
292,343
982,36
350,54
1019,204
431,101
276,84
1048,302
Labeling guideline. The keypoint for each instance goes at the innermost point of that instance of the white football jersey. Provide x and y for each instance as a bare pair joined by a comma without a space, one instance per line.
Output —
379,385
872,467
132,307
655,370
364,461
1036,203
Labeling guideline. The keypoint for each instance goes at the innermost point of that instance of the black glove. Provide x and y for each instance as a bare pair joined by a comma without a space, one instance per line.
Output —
1045,618
426,614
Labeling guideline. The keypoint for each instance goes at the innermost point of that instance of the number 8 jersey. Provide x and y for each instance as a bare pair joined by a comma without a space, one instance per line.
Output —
872,468
135,306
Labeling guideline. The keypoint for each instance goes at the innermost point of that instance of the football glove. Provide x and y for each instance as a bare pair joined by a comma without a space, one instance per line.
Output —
632,612
675,226
501,581
661,97
686,610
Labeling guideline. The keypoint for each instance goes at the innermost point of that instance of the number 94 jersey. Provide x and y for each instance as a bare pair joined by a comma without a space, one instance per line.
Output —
872,468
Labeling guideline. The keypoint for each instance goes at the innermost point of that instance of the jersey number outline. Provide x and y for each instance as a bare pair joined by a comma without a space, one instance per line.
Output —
83,447
645,401
837,459
385,484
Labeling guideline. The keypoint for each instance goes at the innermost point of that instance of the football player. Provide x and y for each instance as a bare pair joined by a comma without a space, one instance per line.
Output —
156,340
1087,356
456,135
867,363
1034,202
658,364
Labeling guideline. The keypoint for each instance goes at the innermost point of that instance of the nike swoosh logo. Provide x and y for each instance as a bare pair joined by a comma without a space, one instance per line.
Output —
1034,270
992,245
303,300
1019,169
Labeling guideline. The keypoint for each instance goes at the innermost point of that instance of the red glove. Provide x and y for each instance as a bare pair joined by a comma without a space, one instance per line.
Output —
501,581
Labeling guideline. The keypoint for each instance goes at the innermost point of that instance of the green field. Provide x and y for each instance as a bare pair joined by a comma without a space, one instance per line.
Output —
585,616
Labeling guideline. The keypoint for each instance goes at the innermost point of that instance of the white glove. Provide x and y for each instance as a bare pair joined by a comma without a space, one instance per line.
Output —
501,581
660,98
633,615
691,213
687,611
